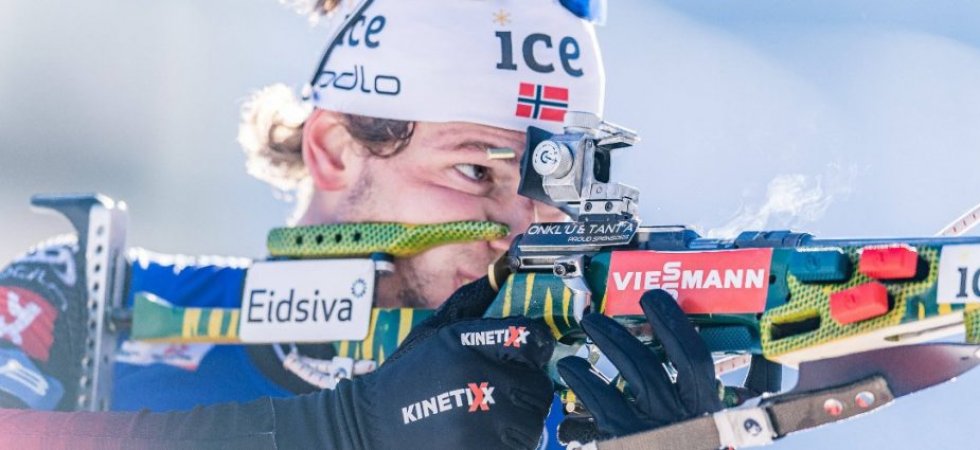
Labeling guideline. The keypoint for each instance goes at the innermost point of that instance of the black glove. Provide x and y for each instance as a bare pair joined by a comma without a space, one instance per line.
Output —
454,383
656,400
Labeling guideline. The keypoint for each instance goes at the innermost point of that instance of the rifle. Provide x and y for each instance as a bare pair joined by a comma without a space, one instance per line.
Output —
842,310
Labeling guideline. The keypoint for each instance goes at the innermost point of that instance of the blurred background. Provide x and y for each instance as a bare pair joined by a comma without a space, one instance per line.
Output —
838,117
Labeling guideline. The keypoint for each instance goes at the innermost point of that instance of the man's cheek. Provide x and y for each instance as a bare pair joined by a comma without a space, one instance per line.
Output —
413,193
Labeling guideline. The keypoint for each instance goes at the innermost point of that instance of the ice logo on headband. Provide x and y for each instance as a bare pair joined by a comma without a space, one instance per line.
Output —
504,63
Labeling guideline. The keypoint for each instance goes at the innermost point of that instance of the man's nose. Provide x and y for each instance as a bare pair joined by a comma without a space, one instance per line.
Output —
546,213
518,214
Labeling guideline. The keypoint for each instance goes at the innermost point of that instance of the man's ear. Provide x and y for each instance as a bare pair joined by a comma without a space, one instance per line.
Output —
329,152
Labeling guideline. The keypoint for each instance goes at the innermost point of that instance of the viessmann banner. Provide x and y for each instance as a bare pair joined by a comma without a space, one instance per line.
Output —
725,281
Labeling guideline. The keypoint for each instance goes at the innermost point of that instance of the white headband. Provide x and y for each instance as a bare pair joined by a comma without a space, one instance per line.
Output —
503,63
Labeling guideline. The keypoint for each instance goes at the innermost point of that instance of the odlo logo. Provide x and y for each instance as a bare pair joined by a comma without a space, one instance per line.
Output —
475,397
511,337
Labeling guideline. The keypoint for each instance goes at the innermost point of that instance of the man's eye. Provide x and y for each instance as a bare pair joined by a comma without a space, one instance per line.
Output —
473,171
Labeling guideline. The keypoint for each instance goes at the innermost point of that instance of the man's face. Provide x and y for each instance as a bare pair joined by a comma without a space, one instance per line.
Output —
443,175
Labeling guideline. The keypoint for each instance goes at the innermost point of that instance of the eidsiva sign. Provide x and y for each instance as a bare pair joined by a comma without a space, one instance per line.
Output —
720,282
307,301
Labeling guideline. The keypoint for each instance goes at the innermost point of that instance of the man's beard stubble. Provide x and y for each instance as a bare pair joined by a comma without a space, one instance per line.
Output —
407,286
407,283
410,285
414,274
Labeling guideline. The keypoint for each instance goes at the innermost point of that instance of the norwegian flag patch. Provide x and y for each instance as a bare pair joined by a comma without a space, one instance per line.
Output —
537,101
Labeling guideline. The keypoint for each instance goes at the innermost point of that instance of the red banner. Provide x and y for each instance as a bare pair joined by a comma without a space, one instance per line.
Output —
703,282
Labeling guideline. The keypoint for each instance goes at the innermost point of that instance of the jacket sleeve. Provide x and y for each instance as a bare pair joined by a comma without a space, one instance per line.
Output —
299,422
42,327
238,426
